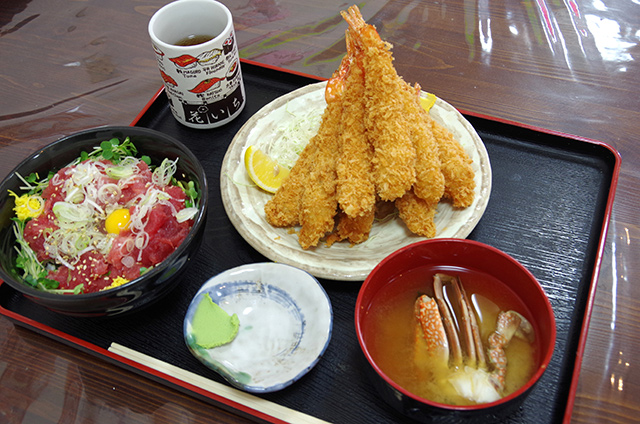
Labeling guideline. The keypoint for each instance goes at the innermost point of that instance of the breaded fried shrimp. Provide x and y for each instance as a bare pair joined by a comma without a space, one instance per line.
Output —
283,209
376,150
356,188
455,165
355,230
417,214
319,206
394,153
429,184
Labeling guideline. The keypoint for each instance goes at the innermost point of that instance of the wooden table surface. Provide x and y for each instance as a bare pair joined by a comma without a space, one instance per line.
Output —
567,66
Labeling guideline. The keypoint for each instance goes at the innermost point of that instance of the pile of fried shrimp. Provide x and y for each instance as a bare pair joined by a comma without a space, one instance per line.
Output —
375,145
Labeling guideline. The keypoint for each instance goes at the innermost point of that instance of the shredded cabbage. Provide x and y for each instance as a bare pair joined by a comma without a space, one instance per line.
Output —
290,140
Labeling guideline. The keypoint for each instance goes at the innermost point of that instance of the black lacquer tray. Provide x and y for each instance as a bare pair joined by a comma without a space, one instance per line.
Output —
549,208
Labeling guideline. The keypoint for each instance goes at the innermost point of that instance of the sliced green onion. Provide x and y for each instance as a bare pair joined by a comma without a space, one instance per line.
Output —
109,193
162,175
125,169
186,214
69,213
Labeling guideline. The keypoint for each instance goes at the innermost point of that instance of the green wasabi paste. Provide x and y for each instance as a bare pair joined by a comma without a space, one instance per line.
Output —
212,326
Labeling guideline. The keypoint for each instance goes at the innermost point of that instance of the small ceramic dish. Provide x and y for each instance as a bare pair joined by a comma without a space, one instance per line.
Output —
285,323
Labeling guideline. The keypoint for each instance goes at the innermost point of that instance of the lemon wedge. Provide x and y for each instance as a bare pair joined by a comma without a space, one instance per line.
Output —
427,102
264,171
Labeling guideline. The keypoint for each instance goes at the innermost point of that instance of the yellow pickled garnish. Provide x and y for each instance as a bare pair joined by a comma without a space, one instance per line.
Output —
118,281
263,170
27,206
427,102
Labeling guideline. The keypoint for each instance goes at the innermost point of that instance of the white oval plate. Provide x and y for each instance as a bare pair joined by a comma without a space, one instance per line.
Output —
244,201
285,325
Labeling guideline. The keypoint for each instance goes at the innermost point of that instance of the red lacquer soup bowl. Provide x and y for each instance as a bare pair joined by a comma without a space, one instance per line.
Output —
499,316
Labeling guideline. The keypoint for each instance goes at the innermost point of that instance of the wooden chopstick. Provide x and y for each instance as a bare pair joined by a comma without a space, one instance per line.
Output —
266,407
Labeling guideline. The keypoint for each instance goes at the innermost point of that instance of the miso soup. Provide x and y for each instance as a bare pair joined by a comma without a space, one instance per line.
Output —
390,332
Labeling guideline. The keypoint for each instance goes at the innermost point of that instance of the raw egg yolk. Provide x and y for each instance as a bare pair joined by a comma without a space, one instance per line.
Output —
117,221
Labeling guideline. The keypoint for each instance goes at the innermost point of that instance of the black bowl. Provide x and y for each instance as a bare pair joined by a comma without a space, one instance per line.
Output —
136,293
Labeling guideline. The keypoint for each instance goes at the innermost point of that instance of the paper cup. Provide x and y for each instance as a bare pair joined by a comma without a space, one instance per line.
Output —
202,81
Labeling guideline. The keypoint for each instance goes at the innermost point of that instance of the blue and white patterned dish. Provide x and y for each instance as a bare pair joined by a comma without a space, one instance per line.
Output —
285,325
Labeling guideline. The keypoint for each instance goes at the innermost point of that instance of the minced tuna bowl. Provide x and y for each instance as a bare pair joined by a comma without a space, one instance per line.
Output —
103,220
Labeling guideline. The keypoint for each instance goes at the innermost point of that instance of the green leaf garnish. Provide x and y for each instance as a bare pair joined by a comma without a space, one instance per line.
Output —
34,272
190,191
112,150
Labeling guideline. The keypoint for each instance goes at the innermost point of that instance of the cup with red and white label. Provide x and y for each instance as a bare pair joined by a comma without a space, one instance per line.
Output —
195,46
